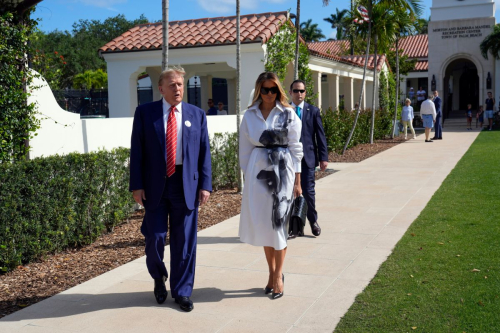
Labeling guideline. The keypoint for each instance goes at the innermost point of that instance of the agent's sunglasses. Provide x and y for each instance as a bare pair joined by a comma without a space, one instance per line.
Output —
296,91
272,90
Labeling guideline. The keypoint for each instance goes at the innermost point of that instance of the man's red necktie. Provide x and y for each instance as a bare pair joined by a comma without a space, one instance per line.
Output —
171,141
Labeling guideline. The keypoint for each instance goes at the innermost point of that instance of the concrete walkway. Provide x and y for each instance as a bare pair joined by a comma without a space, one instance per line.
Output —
364,210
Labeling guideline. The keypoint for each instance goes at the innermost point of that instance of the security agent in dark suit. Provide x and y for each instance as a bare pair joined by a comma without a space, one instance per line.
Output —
438,130
171,175
315,150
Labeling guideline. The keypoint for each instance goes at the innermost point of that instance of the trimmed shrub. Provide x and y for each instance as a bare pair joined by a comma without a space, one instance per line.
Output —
338,125
225,168
49,204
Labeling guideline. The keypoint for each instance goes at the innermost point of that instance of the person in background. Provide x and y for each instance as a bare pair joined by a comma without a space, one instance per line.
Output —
468,114
411,94
221,111
420,96
428,113
480,117
407,118
489,105
315,149
212,110
438,130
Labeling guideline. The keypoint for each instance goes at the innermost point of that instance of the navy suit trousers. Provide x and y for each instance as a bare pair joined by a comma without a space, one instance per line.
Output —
308,183
183,237
438,129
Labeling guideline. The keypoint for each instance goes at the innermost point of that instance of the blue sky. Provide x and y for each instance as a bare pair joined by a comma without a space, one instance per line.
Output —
61,14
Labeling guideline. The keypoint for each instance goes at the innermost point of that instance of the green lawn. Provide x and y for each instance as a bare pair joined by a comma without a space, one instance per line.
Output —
444,274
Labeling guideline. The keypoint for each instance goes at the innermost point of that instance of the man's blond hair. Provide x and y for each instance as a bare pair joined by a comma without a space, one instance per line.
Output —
171,71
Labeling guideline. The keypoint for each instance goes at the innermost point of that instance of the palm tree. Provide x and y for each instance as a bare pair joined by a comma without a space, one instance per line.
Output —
297,41
164,49
422,26
310,31
405,26
364,79
491,43
413,6
238,89
337,22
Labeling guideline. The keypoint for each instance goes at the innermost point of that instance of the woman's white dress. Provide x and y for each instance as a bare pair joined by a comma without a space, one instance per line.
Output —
269,174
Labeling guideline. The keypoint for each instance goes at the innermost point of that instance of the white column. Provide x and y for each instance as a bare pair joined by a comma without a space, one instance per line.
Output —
122,89
204,93
333,91
231,96
209,87
359,85
154,75
317,88
348,93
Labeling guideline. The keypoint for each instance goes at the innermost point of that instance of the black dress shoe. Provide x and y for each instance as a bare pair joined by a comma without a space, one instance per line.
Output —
160,291
316,230
185,303
278,295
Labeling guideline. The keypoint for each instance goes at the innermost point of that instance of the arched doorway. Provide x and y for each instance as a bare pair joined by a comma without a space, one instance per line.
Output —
461,82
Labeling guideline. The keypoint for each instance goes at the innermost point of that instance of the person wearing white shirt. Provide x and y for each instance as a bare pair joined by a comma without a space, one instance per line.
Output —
428,114
221,111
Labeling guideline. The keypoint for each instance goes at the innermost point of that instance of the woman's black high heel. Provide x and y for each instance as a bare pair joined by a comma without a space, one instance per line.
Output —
278,295
268,290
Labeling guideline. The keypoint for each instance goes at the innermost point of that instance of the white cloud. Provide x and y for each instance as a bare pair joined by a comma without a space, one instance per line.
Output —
229,6
108,4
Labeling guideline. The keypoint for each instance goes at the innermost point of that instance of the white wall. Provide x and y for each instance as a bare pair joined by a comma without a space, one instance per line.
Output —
62,132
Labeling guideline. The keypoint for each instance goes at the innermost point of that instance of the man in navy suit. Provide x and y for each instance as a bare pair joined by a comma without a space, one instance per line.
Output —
315,149
438,130
171,193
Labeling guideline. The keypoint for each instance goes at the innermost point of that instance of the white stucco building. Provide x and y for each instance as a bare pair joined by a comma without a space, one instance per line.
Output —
206,48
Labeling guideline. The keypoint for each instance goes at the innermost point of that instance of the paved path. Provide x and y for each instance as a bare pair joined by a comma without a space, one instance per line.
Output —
364,210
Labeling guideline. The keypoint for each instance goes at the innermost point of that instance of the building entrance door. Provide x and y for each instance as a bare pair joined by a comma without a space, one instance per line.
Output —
461,87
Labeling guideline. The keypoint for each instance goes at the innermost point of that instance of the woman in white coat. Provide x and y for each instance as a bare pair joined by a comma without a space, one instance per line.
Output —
270,156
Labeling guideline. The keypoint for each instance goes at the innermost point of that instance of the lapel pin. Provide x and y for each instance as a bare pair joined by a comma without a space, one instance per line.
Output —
187,123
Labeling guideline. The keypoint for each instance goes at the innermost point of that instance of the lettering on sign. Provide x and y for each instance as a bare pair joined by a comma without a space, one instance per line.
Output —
463,32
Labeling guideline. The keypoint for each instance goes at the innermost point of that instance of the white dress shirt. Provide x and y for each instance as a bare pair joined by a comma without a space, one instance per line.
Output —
178,118
301,106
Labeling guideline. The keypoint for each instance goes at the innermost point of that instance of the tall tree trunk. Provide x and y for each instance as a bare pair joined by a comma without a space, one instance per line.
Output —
397,90
363,82
297,41
352,37
375,76
238,90
164,49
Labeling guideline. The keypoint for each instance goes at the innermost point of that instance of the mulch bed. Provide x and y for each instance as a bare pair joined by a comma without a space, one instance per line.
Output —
55,273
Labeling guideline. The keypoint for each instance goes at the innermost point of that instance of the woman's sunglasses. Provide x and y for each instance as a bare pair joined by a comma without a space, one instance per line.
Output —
272,90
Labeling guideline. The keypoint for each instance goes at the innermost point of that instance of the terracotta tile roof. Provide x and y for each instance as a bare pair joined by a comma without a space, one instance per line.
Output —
360,60
422,65
415,46
199,32
351,60
335,47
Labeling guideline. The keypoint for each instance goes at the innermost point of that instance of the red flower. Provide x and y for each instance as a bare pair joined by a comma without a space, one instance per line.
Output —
55,52
61,57
64,63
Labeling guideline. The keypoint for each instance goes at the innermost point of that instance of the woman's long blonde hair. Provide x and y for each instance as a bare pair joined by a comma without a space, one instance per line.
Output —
282,98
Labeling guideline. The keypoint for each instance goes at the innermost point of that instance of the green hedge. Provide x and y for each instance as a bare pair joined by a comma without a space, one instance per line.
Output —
48,204
338,125
225,168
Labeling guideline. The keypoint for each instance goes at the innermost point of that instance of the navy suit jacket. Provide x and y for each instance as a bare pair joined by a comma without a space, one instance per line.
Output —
313,136
437,104
148,166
